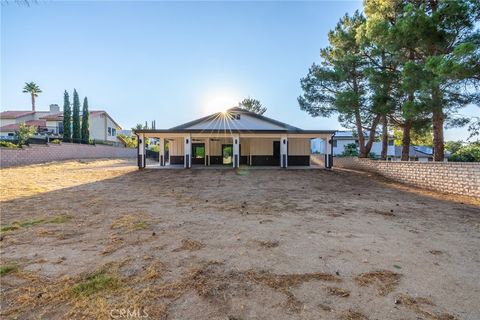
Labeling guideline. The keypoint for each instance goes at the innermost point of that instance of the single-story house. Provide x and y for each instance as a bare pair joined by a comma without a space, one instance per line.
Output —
234,137
344,138
416,153
102,126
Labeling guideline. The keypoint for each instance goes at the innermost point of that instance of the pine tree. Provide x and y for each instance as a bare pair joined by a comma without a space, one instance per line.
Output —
85,123
76,133
252,105
339,85
67,118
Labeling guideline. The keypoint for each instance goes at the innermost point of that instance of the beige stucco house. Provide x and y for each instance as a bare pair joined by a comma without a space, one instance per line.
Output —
102,126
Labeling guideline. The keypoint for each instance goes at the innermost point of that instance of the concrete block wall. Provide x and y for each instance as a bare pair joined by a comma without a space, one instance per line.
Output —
461,178
56,152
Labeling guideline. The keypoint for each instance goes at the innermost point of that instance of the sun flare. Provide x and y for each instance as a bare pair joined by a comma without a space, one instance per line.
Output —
219,101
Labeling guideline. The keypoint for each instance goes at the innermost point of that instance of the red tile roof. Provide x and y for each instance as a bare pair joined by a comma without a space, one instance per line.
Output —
14,114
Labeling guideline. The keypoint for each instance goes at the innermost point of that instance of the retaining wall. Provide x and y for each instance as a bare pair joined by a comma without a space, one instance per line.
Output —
64,151
461,178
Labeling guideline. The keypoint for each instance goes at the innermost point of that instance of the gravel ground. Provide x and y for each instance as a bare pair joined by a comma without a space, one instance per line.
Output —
101,239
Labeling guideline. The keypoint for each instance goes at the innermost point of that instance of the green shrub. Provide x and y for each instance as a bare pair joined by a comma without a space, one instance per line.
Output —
7,144
56,141
468,153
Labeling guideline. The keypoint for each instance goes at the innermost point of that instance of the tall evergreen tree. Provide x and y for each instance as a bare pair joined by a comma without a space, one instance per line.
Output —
85,122
446,68
339,85
76,130
252,105
67,118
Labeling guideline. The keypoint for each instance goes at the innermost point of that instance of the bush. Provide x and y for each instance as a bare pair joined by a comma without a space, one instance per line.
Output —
24,133
468,153
56,141
7,144
350,150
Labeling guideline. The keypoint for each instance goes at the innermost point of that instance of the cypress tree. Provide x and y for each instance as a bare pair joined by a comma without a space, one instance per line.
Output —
85,124
76,134
67,118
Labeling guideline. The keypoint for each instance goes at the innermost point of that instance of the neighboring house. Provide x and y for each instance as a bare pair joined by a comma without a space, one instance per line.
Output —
234,137
416,153
102,126
344,138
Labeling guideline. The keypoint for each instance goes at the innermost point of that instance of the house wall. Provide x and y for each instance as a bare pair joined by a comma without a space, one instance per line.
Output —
57,152
98,130
110,124
448,177
262,146
298,147
5,122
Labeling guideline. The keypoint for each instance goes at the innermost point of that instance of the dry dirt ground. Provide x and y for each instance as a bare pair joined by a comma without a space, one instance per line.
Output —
102,240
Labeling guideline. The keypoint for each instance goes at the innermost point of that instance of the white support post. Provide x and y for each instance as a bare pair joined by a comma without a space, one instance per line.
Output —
161,152
284,152
187,152
141,151
328,153
236,151
207,151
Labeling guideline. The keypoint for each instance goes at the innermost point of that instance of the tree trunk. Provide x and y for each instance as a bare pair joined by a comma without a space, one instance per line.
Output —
383,155
371,136
406,140
33,102
437,122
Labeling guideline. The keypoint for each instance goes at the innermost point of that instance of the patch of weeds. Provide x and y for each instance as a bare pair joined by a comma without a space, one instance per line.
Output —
384,280
29,223
95,282
7,268
129,222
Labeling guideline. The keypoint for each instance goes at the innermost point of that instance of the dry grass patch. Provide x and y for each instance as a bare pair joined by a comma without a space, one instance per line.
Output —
189,244
384,281
339,292
268,244
353,315
130,222
419,306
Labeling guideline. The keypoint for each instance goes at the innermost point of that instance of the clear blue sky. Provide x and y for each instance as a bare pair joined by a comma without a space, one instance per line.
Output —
169,62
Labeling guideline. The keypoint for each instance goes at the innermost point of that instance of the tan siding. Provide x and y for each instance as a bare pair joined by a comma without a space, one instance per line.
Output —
262,146
244,147
298,147
176,146
216,146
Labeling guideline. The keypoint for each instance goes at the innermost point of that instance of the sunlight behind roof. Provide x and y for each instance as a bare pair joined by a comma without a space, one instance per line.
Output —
219,101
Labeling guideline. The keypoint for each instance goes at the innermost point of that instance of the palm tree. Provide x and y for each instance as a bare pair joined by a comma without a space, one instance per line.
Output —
34,90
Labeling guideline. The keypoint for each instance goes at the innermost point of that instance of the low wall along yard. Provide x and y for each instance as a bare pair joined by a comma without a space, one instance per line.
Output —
461,178
57,152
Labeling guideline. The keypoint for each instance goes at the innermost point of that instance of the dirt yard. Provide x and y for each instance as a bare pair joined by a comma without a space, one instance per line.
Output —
102,240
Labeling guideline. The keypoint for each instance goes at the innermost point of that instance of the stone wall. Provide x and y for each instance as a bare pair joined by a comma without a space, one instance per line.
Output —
461,178
64,151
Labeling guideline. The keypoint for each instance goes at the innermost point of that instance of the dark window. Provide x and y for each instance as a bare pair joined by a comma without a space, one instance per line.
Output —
390,142
109,131
11,134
